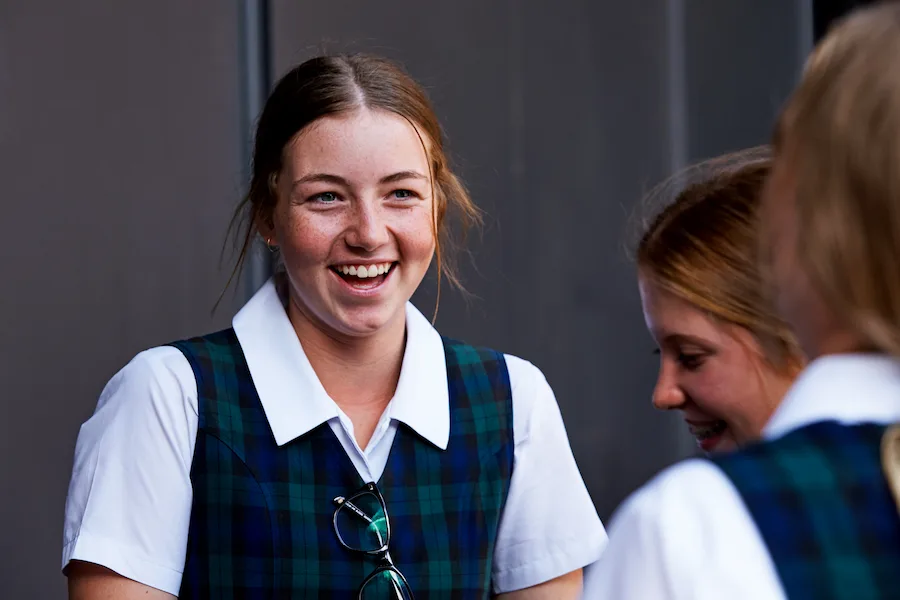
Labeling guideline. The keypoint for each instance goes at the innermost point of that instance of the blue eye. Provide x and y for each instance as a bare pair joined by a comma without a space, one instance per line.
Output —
402,194
325,197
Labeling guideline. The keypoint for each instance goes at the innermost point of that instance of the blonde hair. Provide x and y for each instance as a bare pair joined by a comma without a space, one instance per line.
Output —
839,134
702,247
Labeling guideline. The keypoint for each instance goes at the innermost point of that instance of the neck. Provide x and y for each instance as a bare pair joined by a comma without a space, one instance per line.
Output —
359,373
779,390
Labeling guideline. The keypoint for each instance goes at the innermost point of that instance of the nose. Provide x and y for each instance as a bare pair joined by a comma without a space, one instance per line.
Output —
667,395
368,229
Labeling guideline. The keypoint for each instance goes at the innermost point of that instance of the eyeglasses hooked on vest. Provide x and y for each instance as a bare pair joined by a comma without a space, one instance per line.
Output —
361,524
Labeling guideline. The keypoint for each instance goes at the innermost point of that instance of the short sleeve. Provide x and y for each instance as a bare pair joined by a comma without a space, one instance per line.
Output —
686,535
129,499
549,525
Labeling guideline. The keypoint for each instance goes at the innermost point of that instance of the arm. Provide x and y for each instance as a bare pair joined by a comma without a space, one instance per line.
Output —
549,529
567,587
130,495
88,581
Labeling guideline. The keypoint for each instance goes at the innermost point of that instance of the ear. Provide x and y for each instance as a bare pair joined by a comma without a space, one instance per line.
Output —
264,218
264,223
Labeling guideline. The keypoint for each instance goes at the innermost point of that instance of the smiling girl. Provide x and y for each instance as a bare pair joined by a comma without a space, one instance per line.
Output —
726,358
806,512
331,443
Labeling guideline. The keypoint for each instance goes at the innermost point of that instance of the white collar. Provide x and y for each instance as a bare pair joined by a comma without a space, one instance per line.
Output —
848,388
292,395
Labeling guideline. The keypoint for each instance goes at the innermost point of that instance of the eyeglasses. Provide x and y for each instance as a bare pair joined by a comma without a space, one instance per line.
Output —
361,525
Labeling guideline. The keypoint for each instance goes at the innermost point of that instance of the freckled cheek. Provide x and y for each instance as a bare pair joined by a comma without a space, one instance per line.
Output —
415,236
309,239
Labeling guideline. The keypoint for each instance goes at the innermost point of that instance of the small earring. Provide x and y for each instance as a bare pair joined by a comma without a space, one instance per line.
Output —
270,246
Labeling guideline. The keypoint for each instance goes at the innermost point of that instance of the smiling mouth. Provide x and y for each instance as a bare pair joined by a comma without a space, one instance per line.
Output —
708,435
706,432
364,277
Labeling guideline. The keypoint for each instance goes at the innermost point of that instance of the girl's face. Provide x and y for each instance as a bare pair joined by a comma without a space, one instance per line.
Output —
354,220
714,372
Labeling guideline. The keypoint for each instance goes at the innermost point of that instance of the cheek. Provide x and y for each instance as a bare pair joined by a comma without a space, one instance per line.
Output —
727,391
307,238
415,235
709,390
734,394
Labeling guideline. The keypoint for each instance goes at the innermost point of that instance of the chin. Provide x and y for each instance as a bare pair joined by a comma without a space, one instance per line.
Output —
362,322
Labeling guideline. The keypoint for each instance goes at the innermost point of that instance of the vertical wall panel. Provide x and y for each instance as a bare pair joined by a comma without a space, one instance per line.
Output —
119,147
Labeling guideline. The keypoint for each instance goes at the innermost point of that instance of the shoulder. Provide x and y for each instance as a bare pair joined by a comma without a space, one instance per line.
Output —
686,483
691,503
534,404
528,386
685,534
533,398
156,392
161,372
160,361
523,373
692,500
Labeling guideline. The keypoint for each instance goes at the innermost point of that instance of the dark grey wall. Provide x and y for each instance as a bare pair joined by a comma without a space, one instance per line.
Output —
741,61
120,153
119,160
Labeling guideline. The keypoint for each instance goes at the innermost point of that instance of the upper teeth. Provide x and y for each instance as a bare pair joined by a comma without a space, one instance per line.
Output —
363,271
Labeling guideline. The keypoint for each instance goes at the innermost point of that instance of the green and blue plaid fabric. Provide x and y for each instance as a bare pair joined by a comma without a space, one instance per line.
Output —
819,498
261,522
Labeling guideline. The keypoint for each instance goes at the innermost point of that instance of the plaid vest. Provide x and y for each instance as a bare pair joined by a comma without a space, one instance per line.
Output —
819,498
261,522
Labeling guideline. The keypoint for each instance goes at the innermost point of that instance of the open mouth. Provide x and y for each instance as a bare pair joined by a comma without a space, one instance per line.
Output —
708,435
364,276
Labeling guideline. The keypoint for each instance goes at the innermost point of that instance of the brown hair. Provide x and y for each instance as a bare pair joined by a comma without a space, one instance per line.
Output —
702,247
329,85
839,134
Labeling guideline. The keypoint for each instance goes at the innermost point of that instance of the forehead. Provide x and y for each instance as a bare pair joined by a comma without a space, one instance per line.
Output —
362,143
666,313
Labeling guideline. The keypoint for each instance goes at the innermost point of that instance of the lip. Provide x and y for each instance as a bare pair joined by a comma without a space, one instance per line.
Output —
702,422
356,292
710,443
356,263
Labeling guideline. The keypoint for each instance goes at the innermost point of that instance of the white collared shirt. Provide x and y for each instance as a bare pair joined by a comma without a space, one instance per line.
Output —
687,534
129,499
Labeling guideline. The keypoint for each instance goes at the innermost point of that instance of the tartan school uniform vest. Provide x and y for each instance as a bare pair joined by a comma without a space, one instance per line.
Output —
819,498
261,521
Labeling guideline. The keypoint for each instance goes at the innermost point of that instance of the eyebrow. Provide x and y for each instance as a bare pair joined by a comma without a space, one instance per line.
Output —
338,180
401,175
681,339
